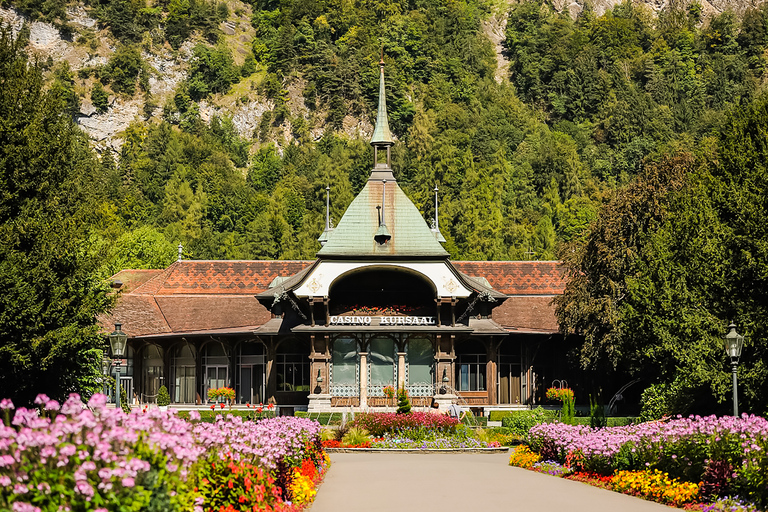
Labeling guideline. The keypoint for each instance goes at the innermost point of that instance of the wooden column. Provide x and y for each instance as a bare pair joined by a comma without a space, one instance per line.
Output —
401,370
271,369
363,380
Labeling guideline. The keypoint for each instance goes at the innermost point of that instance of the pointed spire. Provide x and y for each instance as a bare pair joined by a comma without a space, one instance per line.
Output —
181,251
381,135
436,222
323,239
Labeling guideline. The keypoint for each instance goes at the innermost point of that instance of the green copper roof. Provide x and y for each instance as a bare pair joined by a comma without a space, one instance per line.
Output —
410,234
381,134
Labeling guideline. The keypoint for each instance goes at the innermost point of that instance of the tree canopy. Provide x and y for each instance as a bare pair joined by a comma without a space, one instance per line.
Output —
49,339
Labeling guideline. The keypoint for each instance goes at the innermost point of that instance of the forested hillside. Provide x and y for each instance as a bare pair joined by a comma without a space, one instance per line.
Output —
522,165
630,144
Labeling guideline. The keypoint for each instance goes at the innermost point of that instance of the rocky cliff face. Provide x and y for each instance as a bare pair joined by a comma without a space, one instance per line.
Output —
169,68
710,7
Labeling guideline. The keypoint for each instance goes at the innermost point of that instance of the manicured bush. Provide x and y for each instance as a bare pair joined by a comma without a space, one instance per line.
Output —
324,418
520,422
209,416
498,415
403,404
379,423
163,398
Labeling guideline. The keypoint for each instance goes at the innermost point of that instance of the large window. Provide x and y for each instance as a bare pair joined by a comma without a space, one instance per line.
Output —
421,360
471,372
344,366
381,361
215,367
183,374
251,364
152,375
292,367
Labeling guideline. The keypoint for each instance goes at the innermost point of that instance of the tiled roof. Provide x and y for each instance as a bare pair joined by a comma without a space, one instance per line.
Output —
518,277
353,236
224,277
535,314
195,296
133,278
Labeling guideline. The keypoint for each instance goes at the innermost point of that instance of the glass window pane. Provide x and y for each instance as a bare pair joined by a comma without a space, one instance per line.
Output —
420,361
381,354
345,361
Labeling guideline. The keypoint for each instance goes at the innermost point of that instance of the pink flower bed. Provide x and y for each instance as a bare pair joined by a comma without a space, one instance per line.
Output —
94,458
379,423
687,448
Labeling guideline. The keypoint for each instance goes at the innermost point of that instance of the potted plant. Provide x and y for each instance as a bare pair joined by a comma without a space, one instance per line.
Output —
389,392
213,394
163,398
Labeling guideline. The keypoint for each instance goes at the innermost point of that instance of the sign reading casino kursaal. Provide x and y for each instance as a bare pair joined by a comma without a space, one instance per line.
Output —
382,320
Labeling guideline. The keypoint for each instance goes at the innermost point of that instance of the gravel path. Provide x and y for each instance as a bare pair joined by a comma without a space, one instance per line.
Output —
399,482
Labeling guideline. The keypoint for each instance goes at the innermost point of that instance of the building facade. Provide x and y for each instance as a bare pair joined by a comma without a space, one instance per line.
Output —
382,305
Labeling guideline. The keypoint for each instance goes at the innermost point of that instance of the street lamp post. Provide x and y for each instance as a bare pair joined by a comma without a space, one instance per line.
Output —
117,340
733,344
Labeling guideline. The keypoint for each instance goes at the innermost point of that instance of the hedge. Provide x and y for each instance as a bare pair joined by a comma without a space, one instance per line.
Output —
208,416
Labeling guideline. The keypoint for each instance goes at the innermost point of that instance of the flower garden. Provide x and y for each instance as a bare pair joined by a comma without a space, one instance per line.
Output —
700,463
74,456
413,431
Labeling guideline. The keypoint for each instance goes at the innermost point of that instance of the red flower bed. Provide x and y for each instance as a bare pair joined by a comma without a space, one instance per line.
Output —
337,444
379,423
591,478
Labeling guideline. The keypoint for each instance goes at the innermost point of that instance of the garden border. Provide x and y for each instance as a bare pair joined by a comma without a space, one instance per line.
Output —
501,449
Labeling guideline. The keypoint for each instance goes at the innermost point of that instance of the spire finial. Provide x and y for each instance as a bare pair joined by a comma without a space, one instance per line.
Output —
323,239
436,223
181,250
381,134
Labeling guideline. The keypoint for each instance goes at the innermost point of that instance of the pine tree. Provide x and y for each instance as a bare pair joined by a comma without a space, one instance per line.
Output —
49,340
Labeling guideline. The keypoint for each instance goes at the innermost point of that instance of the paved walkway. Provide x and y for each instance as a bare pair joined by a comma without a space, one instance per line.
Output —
397,482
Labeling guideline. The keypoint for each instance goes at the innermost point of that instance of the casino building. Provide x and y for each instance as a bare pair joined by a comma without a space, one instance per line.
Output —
381,305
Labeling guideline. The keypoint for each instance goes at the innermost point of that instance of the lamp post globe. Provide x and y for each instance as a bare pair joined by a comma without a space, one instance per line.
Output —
733,345
117,342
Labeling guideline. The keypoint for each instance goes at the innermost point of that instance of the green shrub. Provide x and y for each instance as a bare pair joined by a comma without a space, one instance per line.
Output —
163,398
403,404
499,415
123,70
520,422
327,434
209,416
124,405
356,436
99,98
659,400
323,418
596,413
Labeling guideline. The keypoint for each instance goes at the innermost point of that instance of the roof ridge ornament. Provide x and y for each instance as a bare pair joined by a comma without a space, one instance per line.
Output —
323,239
382,235
436,222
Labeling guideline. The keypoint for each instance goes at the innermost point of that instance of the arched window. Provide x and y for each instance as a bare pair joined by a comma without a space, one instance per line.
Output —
152,375
183,374
215,367
382,366
344,367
